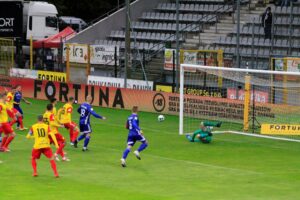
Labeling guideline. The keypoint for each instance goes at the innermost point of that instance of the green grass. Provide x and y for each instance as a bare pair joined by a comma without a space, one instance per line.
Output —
231,167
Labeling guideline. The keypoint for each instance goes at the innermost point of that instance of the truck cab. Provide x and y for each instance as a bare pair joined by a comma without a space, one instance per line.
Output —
75,23
42,20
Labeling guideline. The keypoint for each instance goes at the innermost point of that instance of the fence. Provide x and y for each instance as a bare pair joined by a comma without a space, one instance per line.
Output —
6,55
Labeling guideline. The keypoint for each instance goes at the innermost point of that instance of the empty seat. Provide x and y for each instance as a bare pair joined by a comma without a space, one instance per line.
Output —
205,8
153,36
173,6
148,35
284,43
244,41
160,26
164,27
152,15
172,17
169,26
181,7
267,42
157,36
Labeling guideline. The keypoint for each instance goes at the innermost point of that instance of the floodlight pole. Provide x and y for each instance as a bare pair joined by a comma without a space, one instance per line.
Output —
177,46
127,44
238,7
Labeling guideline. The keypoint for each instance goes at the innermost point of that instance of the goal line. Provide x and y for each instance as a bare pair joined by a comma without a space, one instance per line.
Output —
253,135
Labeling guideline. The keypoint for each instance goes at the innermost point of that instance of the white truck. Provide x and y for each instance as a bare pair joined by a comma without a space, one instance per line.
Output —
23,19
76,23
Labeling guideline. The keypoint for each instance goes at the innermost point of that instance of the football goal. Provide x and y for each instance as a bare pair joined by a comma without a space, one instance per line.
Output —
250,102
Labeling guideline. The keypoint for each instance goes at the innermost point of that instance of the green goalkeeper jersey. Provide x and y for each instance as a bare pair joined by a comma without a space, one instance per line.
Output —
205,133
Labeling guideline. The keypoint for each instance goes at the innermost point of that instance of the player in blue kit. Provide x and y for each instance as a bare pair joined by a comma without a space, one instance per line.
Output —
135,134
18,97
85,110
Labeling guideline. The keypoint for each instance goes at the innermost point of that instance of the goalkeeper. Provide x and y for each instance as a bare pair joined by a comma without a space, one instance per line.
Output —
204,133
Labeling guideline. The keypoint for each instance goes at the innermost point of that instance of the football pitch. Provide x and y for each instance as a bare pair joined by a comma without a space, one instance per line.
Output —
231,167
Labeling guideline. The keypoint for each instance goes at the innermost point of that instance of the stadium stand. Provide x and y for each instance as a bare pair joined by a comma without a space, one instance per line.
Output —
162,19
204,24
285,41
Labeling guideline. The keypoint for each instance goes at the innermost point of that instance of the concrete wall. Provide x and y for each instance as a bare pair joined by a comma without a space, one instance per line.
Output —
101,29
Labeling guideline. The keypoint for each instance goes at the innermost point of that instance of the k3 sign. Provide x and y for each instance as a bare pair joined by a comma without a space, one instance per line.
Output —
78,53
99,54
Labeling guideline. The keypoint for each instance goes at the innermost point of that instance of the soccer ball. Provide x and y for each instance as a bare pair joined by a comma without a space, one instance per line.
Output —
160,118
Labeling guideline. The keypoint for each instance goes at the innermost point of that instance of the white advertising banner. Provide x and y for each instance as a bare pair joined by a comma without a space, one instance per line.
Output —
100,54
293,64
104,55
169,59
23,73
190,58
119,83
78,53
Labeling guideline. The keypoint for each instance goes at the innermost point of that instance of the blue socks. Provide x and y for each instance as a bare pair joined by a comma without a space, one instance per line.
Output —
125,153
86,141
81,137
142,146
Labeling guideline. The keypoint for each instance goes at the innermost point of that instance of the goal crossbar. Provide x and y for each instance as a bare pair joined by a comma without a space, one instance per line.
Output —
257,71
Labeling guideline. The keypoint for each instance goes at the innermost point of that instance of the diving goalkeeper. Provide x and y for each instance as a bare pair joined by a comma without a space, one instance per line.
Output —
204,133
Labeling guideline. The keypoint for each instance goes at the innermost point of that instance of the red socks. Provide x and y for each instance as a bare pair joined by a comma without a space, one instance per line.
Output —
8,141
71,134
34,167
60,150
3,141
33,164
53,166
20,120
75,135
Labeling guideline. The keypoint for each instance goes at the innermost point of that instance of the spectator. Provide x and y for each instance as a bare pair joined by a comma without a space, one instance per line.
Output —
267,23
38,64
49,60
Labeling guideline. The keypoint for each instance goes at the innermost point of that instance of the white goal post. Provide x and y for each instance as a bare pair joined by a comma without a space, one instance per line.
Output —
280,91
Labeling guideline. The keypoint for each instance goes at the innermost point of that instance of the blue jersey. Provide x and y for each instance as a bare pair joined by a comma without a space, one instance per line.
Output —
18,97
85,110
133,124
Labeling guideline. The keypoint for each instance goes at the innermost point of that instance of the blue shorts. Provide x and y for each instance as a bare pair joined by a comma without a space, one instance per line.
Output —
18,108
85,128
131,140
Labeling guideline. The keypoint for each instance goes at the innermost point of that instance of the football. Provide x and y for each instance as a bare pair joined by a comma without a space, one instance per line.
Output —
160,118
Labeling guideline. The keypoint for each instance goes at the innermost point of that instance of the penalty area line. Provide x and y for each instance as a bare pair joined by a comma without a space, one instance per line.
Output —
192,162
205,164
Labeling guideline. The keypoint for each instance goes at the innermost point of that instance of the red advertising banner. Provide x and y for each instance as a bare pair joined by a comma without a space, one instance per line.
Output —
149,101
260,96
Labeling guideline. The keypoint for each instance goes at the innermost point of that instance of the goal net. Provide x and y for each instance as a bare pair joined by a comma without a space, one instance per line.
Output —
246,101
6,55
